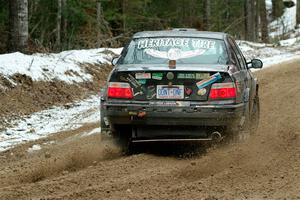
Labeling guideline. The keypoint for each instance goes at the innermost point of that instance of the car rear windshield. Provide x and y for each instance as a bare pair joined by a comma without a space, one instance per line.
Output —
183,50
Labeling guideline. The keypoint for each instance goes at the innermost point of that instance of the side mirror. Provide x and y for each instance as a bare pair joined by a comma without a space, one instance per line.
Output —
114,61
255,64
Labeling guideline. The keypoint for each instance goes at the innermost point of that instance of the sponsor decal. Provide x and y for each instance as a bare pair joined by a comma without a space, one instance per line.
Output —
202,76
142,81
143,75
174,53
141,114
201,92
132,113
170,75
175,42
206,82
172,64
151,92
203,44
186,76
188,91
134,83
163,103
163,42
171,103
131,80
183,103
179,48
157,76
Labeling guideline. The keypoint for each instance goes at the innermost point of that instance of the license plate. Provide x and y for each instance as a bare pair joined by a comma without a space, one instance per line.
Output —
166,92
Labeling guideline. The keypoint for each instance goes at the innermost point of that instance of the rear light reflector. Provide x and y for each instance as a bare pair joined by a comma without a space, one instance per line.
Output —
119,90
222,91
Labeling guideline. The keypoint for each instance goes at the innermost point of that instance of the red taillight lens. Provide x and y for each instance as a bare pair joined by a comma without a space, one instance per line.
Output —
119,90
222,91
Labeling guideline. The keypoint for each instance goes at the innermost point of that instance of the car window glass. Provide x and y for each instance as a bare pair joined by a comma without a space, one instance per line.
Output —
240,57
240,52
183,50
233,56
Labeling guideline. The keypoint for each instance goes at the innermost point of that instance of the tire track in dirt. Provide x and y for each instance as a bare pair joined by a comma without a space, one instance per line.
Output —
267,166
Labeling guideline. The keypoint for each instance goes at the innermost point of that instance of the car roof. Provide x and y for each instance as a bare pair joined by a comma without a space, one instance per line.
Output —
181,33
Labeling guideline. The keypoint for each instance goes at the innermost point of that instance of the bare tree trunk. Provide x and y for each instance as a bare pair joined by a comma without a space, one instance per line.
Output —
256,19
58,25
99,9
124,9
207,13
249,20
298,11
64,24
227,13
18,22
264,22
277,8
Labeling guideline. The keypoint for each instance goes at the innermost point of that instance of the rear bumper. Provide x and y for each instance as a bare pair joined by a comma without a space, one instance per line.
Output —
193,115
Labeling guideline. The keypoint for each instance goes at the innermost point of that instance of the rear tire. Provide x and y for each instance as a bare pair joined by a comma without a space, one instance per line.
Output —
239,130
122,138
238,133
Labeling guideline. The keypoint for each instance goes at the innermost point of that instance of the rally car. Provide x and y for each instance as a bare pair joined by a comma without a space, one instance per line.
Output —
180,85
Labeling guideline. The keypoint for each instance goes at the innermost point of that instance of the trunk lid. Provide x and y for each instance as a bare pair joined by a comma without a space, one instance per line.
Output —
184,83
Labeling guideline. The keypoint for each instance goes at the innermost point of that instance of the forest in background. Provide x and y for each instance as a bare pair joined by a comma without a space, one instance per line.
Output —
56,25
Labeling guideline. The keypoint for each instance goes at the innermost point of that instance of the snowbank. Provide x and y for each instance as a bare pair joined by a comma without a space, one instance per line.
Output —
285,23
269,54
64,66
43,123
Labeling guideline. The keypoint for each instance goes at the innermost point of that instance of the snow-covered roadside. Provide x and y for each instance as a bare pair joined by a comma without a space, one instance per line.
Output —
270,55
53,120
64,66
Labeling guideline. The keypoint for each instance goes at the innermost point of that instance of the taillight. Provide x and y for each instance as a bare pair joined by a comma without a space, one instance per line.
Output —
119,90
222,91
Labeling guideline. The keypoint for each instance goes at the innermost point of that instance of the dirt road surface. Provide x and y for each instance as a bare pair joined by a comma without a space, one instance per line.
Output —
266,166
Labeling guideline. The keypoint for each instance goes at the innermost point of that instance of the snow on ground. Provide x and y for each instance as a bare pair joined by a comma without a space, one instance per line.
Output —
56,119
287,50
64,66
285,23
46,122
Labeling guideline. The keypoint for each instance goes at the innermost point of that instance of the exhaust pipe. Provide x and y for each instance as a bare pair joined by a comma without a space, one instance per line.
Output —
216,136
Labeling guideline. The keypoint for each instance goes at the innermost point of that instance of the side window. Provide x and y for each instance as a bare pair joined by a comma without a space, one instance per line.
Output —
240,57
233,56
241,54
